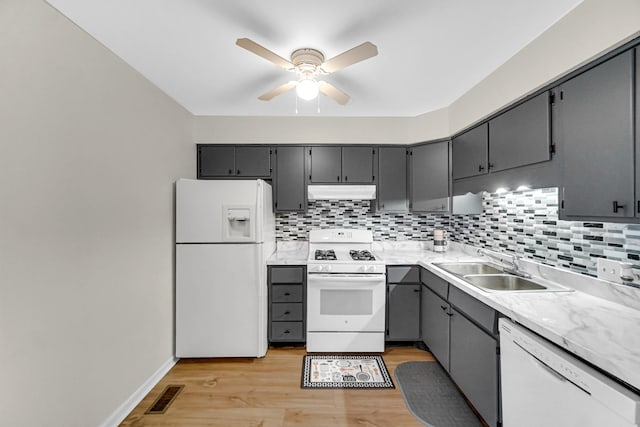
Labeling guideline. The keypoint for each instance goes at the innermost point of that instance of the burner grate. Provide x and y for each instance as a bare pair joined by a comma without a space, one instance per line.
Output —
325,255
362,255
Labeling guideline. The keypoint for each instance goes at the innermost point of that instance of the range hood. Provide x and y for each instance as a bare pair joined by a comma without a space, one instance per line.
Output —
341,192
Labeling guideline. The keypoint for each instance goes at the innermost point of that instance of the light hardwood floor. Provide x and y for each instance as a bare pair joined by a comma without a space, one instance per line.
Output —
266,392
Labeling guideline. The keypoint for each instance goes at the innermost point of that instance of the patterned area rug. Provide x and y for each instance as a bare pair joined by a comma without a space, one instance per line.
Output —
354,371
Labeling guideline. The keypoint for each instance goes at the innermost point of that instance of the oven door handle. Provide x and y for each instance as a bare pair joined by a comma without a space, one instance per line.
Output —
350,277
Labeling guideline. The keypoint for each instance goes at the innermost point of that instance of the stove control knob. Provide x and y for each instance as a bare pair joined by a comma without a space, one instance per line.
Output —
371,269
327,268
363,269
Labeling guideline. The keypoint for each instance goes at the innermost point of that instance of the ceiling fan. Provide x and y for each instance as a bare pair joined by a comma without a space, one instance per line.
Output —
309,64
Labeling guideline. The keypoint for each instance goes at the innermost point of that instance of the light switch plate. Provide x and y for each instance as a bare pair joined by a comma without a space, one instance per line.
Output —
612,270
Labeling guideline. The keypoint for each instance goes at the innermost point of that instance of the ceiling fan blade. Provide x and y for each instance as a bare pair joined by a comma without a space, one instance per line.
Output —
334,93
262,51
359,53
277,91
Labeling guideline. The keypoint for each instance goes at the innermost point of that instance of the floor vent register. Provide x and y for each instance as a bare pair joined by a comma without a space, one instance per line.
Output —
165,399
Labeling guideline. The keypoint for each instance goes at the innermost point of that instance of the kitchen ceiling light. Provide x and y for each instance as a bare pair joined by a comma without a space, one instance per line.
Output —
307,89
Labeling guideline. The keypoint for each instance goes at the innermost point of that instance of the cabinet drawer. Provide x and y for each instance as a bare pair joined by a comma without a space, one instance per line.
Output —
287,331
286,312
287,274
286,293
435,283
408,274
480,313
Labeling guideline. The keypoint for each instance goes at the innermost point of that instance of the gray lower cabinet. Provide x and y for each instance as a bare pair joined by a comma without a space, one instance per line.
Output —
435,325
289,183
470,152
430,177
287,296
403,303
522,135
392,179
473,365
462,333
597,137
234,161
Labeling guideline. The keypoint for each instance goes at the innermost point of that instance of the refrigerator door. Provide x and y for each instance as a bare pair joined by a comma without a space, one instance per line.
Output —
221,300
217,211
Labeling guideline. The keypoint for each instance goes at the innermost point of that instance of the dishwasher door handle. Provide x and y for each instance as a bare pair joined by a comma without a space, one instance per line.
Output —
537,362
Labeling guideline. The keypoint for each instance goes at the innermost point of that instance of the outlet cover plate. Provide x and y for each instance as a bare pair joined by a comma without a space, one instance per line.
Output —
610,270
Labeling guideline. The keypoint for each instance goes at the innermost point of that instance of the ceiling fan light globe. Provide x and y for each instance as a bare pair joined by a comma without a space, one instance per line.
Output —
307,89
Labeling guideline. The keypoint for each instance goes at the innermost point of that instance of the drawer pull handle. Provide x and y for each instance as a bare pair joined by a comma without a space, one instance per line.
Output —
416,290
286,294
287,312
287,331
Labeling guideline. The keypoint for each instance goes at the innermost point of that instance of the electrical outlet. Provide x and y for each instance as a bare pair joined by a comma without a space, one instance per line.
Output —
613,270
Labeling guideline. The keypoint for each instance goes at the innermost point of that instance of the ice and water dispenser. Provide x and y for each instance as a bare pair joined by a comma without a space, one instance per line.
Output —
239,223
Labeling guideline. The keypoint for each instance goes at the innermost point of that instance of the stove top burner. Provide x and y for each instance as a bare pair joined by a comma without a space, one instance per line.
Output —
362,255
325,255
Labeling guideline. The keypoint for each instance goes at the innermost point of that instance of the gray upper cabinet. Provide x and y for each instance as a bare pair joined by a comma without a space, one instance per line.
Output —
522,135
596,133
236,161
470,152
337,164
357,165
637,127
326,164
392,179
430,177
216,161
289,187
253,161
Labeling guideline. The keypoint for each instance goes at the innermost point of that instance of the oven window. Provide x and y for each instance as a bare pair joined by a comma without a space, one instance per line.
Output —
346,301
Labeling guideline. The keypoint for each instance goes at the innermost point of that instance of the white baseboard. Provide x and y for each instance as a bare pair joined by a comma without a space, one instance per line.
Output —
127,406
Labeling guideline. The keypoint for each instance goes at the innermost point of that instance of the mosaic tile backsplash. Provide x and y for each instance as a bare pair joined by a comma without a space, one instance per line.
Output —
522,222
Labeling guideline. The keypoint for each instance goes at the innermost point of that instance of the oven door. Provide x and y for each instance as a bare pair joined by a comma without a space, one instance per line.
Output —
345,302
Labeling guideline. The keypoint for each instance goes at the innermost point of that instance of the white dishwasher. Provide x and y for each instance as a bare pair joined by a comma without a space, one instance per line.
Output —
543,385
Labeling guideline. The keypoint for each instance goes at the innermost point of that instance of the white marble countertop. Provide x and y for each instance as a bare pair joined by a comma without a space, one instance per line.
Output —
599,321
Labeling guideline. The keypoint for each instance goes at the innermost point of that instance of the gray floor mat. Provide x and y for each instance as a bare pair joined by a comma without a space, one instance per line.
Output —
432,397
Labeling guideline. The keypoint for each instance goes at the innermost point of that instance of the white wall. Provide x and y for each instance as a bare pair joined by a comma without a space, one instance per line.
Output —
592,28
89,151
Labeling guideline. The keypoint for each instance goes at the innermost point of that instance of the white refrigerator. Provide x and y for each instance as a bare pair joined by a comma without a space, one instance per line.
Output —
225,231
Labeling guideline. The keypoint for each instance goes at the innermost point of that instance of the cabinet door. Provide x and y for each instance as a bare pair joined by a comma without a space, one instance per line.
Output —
216,161
473,365
470,151
637,124
403,312
430,177
253,161
289,179
357,165
392,179
326,165
521,136
435,325
596,132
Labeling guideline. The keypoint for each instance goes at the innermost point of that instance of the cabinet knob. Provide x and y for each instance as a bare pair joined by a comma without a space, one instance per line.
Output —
338,178
287,331
300,205
491,165
346,178
286,294
287,312
238,172
616,206
416,290
444,307
230,171
480,168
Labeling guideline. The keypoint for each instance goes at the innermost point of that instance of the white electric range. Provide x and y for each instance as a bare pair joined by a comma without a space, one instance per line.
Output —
345,292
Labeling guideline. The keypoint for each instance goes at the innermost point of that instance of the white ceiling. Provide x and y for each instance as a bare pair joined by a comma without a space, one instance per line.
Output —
430,51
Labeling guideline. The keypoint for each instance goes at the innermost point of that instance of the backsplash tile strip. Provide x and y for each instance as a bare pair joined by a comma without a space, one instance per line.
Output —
521,222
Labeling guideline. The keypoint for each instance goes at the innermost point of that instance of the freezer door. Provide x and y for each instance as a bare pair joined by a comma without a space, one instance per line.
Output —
221,300
216,211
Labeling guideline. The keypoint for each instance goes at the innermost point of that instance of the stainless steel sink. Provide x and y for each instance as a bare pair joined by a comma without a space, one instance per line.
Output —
503,282
466,268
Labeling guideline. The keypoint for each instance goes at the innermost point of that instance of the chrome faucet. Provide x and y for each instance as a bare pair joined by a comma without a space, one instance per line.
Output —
513,266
